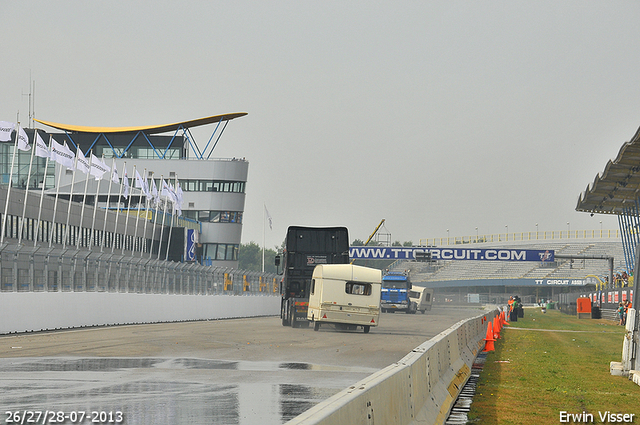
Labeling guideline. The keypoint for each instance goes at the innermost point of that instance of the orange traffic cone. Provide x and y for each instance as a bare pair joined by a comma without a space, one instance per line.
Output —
503,319
488,344
496,328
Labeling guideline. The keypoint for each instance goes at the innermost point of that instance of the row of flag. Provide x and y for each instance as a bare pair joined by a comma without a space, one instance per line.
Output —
92,165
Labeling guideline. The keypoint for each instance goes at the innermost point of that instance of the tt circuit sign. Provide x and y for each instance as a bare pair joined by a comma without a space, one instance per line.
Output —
402,253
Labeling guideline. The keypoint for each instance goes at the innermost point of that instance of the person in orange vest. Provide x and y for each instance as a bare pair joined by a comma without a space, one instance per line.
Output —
627,306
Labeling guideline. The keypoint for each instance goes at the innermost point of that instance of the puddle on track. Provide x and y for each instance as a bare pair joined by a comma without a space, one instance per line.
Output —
172,390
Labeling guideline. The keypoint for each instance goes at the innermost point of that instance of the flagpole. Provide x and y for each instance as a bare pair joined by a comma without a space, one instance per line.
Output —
115,225
106,211
95,205
44,179
55,203
6,205
84,201
146,220
126,220
73,180
135,232
173,212
264,218
164,214
155,221
26,192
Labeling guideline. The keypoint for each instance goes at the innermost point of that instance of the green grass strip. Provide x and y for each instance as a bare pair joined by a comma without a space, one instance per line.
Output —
549,363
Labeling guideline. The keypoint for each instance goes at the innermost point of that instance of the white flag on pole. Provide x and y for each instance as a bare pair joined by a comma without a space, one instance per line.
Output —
83,164
114,174
6,128
168,192
41,147
98,168
62,154
269,218
180,199
154,191
23,140
125,182
141,184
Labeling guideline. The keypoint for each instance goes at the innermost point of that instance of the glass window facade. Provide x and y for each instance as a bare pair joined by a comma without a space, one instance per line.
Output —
214,216
220,251
21,169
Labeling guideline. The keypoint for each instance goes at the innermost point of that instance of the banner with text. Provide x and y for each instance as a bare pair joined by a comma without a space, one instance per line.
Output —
406,253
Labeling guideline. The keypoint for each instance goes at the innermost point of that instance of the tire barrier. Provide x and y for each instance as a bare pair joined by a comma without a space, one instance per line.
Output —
419,389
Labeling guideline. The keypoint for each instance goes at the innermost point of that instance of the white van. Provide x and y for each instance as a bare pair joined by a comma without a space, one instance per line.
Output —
344,295
423,297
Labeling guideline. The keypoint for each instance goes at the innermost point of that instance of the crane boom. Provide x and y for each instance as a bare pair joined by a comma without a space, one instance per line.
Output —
371,237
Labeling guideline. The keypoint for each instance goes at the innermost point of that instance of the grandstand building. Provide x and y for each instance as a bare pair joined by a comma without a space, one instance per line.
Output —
495,281
213,188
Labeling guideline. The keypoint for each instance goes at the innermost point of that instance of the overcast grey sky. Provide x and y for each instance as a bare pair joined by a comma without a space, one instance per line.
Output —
434,115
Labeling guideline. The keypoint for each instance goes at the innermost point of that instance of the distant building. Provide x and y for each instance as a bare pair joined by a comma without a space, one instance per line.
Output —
214,189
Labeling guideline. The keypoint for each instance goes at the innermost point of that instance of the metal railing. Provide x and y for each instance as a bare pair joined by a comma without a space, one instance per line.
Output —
522,236
40,269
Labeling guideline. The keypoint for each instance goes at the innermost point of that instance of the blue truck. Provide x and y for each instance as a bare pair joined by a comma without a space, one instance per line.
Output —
395,293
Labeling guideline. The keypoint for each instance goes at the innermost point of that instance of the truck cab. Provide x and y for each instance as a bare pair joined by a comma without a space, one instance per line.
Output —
305,248
395,293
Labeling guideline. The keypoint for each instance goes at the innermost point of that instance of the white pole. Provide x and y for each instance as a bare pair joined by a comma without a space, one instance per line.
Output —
95,205
164,214
146,220
115,226
84,201
6,205
26,191
106,211
173,213
155,221
44,180
126,220
135,232
264,218
55,204
73,180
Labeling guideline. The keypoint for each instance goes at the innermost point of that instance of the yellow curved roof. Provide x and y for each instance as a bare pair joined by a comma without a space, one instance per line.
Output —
153,129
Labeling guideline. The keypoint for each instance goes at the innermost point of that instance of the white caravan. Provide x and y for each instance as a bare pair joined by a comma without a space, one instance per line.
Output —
423,297
345,295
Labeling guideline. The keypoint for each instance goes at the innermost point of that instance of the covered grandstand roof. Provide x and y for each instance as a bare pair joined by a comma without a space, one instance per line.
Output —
617,187
153,129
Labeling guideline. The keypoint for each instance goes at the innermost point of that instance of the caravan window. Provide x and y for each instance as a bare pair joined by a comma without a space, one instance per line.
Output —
357,288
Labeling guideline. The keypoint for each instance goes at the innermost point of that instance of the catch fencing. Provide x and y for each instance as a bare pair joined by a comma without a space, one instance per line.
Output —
41,269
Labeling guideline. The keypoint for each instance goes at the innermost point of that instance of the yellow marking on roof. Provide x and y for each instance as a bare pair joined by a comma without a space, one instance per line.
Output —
152,129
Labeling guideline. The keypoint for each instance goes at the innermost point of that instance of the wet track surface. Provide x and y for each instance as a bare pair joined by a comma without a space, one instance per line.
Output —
202,372
171,391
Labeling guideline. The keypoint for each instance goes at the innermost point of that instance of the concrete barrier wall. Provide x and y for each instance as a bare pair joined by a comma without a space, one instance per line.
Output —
35,311
419,389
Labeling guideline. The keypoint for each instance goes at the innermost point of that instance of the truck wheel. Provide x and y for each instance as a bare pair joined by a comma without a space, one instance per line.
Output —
283,312
316,326
292,317
366,328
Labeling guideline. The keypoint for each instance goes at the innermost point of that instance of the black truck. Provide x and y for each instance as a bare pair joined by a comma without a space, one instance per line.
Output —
305,247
